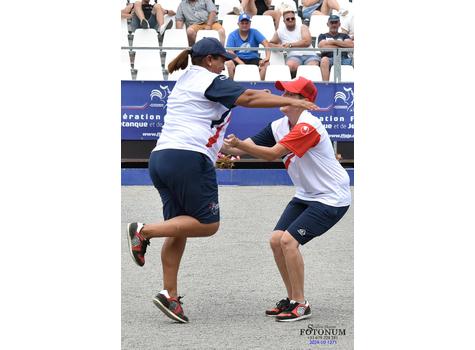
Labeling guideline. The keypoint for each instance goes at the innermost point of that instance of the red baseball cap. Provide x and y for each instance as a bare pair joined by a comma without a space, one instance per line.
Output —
300,86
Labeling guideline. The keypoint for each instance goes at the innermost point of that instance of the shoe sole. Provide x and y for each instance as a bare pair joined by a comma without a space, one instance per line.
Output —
167,312
294,319
144,25
130,245
169,25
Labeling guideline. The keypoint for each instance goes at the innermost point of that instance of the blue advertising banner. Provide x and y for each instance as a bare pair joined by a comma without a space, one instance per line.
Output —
144,106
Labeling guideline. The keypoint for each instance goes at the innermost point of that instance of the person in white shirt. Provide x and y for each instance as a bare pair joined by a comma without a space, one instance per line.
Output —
294,35
322,196
181,165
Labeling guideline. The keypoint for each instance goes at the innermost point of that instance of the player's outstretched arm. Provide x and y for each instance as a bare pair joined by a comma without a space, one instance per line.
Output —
262,99
267,153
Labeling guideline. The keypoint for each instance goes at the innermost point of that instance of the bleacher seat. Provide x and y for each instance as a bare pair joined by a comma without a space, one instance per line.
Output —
147,58
174,38
125,72
276,57
264,24
247,72
145,38
276,72
226,6
152,72
125,57
347,73
204,33
311,72
230,25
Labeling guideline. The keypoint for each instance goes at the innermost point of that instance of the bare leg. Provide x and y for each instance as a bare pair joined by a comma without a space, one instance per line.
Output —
191,36
159,13
231,66
249,7
181,227
293,65
138,10
172,251
327,7
295,266
325,68
263,70
276,246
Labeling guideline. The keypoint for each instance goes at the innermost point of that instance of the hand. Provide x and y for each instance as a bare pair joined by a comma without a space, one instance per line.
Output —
263,61
231,141
305,105
208,27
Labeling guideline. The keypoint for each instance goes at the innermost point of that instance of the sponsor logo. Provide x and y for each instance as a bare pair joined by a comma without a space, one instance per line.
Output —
162,94
136,241
301,231
214,207
348,98
304,130
301,310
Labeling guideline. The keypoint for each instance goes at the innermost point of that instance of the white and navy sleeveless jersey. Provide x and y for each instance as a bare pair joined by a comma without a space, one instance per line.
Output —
198,112
312,166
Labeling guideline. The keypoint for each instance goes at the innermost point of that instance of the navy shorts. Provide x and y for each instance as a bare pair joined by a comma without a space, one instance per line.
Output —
306,220
186,181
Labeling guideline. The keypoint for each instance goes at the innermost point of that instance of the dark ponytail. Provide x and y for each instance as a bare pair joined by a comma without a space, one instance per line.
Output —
180,61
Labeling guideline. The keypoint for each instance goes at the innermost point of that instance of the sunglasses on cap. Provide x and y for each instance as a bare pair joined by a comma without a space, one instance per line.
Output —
290,19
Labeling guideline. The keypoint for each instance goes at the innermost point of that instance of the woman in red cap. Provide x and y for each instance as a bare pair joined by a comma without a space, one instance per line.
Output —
181,165
323,188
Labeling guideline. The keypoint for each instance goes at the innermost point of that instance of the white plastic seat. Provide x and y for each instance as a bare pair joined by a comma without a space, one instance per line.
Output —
205,33
347,73
147,58
174,38
318,25
247,72
278,72
149,73
311,72
264,24
276,57
125,72
125,57
230,24
145,38
226,6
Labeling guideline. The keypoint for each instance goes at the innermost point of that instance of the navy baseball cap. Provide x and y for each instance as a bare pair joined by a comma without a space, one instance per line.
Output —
333,18
244,16
210,46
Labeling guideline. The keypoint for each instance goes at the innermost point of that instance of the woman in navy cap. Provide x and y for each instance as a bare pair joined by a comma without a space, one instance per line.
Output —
181,165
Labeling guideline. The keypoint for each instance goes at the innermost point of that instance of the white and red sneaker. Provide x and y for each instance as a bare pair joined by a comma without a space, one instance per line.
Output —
170,306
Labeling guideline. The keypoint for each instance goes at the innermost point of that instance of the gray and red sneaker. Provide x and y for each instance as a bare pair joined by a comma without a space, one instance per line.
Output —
279,307
294,312
137,244
170,306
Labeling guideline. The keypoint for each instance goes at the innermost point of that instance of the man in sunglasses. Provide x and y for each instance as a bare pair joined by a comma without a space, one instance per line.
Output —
295,35
334,39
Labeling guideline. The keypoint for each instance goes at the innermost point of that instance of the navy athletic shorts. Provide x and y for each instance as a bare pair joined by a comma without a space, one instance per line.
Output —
306,220
186,181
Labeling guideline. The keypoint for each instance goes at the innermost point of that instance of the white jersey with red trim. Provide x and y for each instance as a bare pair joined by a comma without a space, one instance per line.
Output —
198,112
312,165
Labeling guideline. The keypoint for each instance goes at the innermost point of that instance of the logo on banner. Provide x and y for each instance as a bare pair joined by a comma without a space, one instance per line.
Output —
162,95
348,98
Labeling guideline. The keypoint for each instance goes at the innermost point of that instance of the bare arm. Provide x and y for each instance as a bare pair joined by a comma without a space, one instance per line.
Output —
179,24
262,99
211,18
267,153
275,41
232,150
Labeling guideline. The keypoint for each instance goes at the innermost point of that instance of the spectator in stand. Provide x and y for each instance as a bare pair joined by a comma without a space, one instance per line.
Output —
144,18
321,7
198,15
246,37
258,7
295,35
333,39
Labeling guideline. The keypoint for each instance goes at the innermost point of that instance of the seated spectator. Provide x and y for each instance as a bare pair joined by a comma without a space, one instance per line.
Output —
258,7
333,39
198,15
295,35
150,16
246,37
321,7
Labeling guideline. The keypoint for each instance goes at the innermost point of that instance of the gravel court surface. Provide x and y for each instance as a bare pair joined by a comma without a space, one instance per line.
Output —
230,279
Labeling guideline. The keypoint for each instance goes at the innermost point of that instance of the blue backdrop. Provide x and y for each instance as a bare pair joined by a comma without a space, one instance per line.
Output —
144,103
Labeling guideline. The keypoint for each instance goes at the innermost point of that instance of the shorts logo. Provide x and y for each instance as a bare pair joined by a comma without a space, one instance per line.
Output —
214,207
301,231
304,130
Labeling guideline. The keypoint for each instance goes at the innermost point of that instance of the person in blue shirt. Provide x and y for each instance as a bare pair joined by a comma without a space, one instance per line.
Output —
245,37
